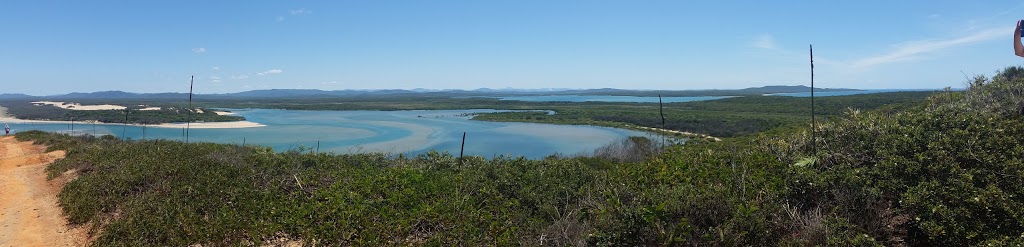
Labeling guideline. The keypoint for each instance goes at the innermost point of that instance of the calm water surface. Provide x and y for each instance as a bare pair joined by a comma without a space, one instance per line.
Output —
380,131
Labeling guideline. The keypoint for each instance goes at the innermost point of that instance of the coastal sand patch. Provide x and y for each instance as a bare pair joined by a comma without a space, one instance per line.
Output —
29,214
80,107
151,108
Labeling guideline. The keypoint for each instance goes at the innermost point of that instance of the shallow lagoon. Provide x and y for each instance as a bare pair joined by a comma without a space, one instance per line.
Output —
380,131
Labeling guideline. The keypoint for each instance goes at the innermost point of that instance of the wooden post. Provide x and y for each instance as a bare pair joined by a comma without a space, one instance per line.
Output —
243,141
463,149
317,146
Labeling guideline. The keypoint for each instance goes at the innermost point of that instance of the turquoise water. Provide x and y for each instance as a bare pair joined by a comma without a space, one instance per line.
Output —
379,131
608,98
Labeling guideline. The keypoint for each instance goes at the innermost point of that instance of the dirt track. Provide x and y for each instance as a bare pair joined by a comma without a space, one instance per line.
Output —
29,215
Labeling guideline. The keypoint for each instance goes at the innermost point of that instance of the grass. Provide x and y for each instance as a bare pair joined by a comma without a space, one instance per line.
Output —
948,171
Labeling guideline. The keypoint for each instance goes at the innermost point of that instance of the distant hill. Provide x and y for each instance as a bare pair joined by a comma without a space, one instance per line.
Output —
316,93
14,96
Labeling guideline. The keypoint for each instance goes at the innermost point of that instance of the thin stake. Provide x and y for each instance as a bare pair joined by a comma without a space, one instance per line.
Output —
125,127
814,145
243,141
661,110
189,123
463,150
72,126
317,146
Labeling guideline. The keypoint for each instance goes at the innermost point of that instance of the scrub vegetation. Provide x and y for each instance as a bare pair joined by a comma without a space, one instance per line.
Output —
948,171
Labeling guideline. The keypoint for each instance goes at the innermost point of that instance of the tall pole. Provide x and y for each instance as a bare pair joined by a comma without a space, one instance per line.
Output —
814,142
189,123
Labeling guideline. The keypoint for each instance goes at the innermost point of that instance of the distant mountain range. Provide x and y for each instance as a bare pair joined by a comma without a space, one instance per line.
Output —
315,93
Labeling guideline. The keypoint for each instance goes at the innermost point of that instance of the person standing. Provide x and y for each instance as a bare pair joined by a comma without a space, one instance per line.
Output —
7,130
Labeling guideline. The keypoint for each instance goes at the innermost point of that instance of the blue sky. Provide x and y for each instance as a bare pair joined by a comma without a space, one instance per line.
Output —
51,47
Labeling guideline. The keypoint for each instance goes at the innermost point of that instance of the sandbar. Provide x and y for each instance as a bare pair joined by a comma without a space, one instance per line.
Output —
212,125
419,138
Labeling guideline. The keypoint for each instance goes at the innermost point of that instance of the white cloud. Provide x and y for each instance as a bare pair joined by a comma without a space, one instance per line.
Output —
301,11
280,18
216,68
765,42
330,82
270,72
239,77
913,49
215,79
199,50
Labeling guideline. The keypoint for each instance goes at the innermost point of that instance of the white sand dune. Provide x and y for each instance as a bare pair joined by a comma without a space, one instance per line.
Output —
79,107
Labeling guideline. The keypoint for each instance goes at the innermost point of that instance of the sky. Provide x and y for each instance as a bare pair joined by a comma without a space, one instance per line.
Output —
55,47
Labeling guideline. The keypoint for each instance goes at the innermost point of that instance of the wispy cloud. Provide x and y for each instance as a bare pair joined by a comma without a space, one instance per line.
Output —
215,68
199,50
239,77
215,79
280,18
765,41
914,49
270,72
301,11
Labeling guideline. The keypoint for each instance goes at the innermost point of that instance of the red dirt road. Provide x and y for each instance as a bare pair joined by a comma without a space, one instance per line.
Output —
29,215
